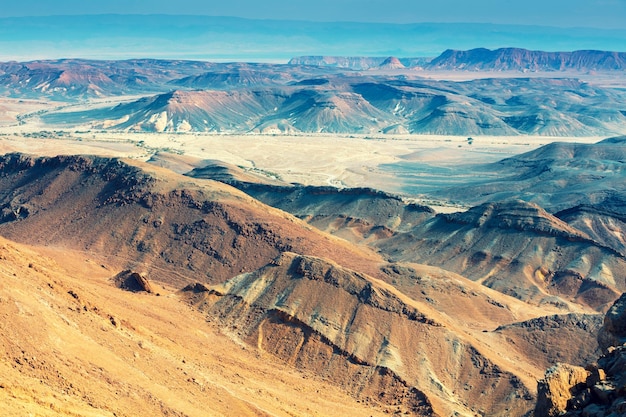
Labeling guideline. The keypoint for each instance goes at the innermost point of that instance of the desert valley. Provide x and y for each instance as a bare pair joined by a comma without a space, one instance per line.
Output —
338,235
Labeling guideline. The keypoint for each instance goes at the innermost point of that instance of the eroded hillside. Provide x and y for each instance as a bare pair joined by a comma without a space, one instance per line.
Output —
416,339
72,343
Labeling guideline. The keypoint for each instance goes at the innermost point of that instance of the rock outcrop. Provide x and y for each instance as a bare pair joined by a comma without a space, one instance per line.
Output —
555,390
599,389
613,332
133,281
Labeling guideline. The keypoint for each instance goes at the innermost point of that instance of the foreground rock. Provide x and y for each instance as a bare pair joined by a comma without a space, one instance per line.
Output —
599,389
133,281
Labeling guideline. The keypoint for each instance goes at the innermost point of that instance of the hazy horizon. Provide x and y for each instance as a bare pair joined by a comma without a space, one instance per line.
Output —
279,31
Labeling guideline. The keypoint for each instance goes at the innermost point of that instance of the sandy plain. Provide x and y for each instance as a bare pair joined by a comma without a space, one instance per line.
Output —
312,159
408,165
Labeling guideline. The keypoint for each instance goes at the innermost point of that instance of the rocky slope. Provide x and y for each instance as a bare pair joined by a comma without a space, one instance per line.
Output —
362,335
141,216
356,214
513,246
536,338
519,249
73,344
326,307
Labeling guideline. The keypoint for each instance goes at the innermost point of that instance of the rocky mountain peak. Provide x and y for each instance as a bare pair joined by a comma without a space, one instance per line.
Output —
392,63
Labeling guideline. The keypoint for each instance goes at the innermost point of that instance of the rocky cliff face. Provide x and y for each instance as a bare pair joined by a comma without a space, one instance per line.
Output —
599,389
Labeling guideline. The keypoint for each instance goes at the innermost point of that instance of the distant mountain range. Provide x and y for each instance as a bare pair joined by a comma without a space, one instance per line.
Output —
345,103
335,94
481,59
360,62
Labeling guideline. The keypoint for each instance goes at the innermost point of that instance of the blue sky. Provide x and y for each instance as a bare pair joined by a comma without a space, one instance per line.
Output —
561,13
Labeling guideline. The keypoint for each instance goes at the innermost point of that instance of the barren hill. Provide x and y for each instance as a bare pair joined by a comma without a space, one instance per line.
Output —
363,336
557,176
72,343
142,216
513,246
353,213
519,249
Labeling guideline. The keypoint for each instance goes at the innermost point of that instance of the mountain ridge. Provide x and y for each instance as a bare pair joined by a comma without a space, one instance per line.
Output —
370,104
519,59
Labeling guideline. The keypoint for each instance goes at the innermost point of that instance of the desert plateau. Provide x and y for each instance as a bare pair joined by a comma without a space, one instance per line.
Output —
314,219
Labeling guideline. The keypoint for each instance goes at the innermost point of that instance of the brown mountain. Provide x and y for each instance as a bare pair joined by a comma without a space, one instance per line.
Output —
513,246
73,344
362,335
322,305
141,216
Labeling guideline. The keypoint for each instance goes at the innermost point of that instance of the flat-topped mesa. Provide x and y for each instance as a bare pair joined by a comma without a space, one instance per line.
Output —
518,59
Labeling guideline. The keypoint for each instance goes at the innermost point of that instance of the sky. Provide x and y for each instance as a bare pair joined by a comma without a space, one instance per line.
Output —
609,14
